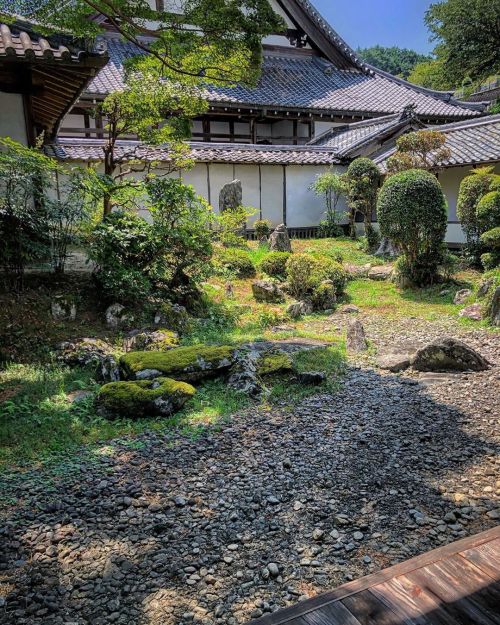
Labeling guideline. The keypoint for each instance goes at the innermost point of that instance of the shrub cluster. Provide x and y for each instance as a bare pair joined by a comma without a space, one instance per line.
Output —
305,273
412,212
262,228
235,261
274,264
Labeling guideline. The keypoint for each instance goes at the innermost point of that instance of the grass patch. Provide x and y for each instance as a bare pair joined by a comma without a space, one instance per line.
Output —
329,360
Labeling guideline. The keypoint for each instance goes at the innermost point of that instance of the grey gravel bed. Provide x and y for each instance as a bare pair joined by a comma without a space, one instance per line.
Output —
277,505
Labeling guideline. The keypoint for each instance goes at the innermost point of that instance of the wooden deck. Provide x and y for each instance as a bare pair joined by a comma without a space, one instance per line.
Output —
458,584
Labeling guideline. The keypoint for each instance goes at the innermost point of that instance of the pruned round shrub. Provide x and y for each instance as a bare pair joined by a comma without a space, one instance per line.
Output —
262,228
412,213
324,296
274,264
489,260
236,261
488,210
491,238
305,272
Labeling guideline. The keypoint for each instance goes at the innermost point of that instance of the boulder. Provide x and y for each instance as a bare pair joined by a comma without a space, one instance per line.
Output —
387,248
474,311
160,397
268,292
495,308
381,272
83,352
298,309
117,316
462,296
271,363
155,340
311,378
356,271
230,196
191,364
244,376
279,241
485,287
356,338
448,354
173,317
348,309
63,308
108,370
394,362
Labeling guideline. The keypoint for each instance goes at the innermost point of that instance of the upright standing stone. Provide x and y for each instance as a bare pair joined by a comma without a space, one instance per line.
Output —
279,241
495,308
230,196
356,338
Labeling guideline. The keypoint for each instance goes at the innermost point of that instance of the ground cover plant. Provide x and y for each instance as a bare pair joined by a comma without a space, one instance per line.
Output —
40,420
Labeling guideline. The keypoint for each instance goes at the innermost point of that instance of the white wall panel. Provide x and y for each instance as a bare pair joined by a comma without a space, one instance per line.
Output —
272,193
12,122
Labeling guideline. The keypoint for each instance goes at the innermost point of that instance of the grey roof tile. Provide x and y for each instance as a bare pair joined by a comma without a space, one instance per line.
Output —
307,83
92,151
470,142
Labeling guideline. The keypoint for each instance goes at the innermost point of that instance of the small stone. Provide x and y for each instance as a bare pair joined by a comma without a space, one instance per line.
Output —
474,312
273,569
179,501
462,296
318,534
356,339
358,536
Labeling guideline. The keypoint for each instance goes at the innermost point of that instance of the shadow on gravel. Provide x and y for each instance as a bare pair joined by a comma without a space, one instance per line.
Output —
171,530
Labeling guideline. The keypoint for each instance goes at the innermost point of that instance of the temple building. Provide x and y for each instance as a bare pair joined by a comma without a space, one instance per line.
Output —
317,106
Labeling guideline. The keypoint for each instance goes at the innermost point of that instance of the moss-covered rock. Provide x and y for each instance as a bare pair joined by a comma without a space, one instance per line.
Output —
142,398
173,317
184,363
274,363
159,340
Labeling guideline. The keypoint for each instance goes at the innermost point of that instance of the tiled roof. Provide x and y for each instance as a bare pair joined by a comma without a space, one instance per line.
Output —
307,83
346,140
470,142
91,151
18,44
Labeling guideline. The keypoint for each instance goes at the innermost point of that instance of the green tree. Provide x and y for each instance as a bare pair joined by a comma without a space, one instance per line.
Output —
423,149
432,75
467,34
331,187
155,111
396,61
362,178
412,212
206,41
472,189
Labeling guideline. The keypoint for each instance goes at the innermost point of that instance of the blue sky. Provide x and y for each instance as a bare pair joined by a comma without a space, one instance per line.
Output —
386,22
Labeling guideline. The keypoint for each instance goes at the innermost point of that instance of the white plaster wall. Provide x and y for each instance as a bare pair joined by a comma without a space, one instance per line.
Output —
12,122
272,193
249,176
304,207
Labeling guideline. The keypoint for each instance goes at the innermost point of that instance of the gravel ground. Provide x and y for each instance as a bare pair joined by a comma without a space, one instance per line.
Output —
279,504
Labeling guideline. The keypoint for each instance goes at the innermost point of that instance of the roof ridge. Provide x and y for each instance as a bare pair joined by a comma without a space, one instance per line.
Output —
466,123
444,96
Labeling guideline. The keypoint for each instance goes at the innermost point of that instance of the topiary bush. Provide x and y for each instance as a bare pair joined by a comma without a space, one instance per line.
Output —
488,216
262,228
472,188
235,261
123,247
274,264
362,178
306,272
412,212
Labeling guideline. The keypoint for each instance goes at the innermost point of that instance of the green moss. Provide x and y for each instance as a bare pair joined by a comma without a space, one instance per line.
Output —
187,363
136,399
274,363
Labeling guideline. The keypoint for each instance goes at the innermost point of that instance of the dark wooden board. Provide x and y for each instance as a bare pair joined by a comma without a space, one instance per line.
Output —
410,601
370,611
476,585
331,614
486,557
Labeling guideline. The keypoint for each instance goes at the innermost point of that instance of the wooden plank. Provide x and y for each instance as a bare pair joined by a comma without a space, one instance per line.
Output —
463,590
370,611
471,542
411,601
486,557
331,614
